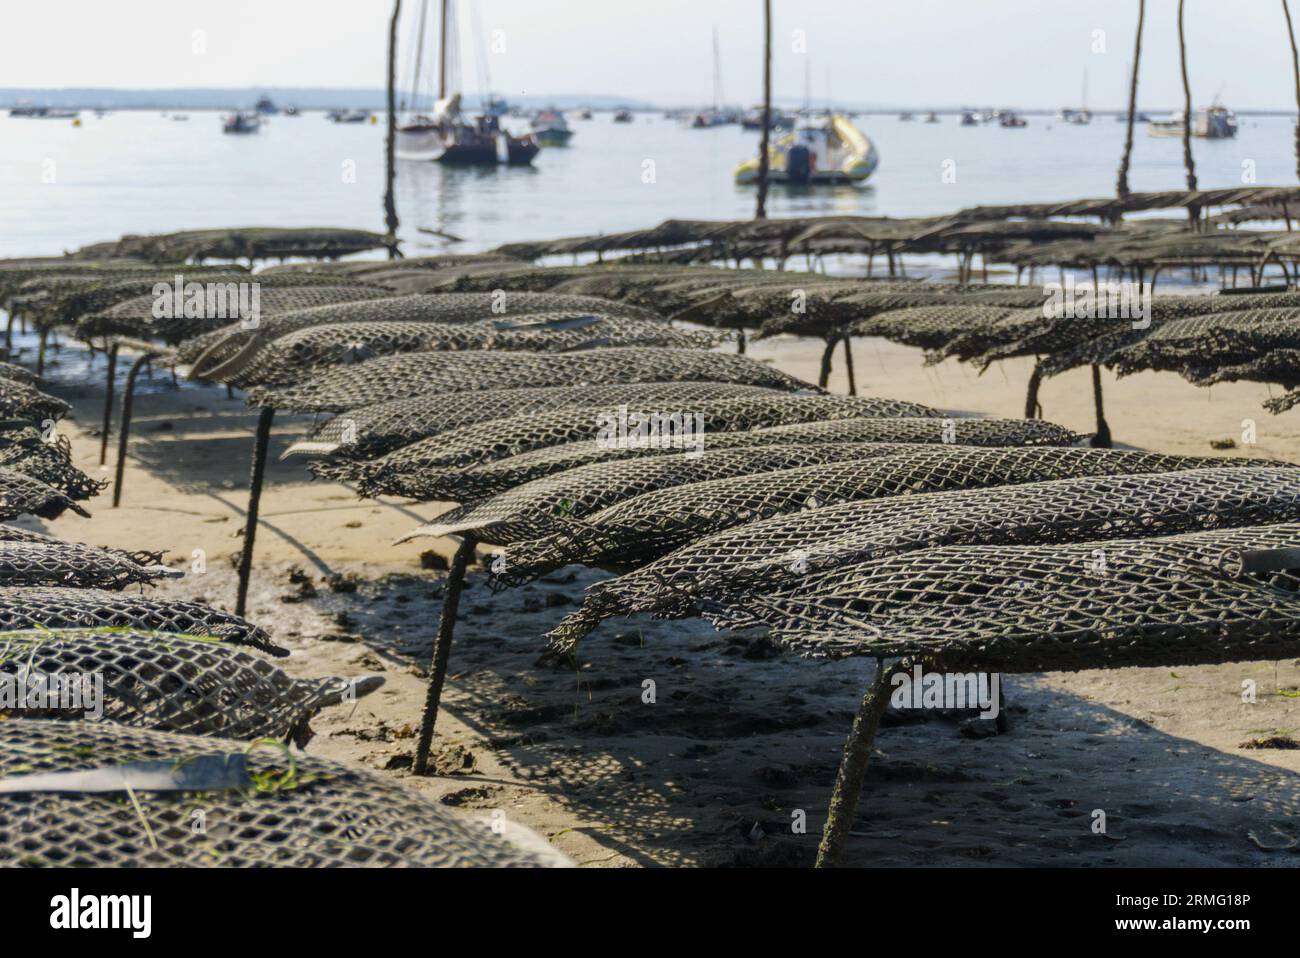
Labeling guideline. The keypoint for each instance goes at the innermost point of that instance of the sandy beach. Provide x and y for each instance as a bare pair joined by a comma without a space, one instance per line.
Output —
741,736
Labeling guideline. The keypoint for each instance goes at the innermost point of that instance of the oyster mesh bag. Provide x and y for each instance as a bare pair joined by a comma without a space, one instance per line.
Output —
784,550
63,608
1175,600
21,495
135,317
77,566
370,431
170,682
247,805
640,529
533,509
225,343
467,485
291,357
397,377
607,425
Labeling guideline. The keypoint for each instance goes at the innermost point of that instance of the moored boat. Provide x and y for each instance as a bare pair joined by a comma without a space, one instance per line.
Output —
451,137
1214,122
551,129
241,121
828,150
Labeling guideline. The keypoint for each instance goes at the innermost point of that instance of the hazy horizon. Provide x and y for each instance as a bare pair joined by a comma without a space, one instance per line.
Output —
923,53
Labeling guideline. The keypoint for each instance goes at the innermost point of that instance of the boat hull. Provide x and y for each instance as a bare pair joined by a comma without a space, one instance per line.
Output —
553,137
858,160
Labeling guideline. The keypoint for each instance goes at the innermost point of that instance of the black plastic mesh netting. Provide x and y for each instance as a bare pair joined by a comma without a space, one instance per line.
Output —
784,551
70,564
174,683
1175,600
144,557
21,400
686,427
21,495
1210,341
648,526
397,377
224,344
17,373
466,485
296,810
72,608
930,327
374,430
296,355
137,316
23,450
536,507
928,309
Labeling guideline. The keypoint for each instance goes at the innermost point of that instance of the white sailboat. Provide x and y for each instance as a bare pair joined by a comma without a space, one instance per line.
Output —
446,135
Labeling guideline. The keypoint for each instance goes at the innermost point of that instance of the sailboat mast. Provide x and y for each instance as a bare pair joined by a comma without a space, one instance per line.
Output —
442,52
717,72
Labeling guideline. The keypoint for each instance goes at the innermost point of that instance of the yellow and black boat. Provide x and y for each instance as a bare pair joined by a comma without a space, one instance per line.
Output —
826,150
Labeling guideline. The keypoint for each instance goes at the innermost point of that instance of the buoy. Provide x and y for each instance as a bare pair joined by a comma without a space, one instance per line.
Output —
77,122
373,119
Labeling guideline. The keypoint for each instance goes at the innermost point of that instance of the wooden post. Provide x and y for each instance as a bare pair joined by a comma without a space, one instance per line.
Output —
1188,163
1121,185
760,210
390,201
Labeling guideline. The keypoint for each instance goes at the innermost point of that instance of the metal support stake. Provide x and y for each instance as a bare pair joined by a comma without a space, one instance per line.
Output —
1102,439
128,400
442,650
108,404
848,364
853,766
258,473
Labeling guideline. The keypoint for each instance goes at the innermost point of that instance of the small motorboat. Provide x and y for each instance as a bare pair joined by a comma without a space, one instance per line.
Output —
584,115
1011,120
623,116
906,117
968,119
266,106
825,151
1210,123
551,129
241,122
349,116
932,117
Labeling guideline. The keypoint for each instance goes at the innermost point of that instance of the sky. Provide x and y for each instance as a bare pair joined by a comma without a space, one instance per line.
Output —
1021,53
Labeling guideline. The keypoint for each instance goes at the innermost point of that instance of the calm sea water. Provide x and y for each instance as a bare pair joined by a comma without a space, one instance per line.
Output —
138,172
